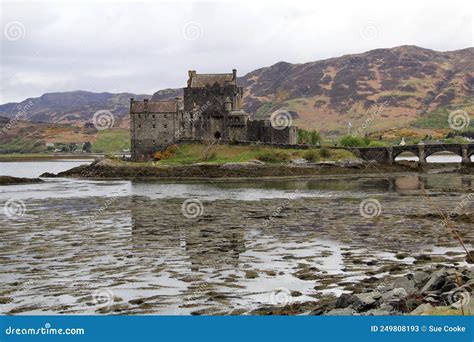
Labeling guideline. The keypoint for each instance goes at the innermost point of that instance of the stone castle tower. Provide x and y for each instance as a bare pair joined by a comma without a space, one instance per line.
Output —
211,108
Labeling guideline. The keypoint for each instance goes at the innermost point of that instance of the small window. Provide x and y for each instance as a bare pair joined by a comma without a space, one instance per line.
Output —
139,126
165,126
154,142
153,116
165,116
154,126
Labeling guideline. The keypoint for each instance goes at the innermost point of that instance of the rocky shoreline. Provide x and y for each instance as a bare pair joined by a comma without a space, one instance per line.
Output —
441,290
9,180
109,169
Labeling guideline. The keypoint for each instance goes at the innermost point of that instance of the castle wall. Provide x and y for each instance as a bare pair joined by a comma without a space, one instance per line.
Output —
151,132
262,130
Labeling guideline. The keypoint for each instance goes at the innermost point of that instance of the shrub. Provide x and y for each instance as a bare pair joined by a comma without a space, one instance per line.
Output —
311,155
308,137
324,152
170,151
352,141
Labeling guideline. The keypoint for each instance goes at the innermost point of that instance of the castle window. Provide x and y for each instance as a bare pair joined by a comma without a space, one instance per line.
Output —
165,116
154,126
165,126
153,116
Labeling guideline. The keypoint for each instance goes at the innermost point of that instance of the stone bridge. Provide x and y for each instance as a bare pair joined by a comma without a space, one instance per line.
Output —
387,155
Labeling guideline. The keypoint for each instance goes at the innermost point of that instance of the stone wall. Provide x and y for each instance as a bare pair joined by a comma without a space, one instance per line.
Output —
151,130
263,131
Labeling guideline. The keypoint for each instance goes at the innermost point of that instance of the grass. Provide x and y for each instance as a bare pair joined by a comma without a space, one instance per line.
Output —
111,141
218,154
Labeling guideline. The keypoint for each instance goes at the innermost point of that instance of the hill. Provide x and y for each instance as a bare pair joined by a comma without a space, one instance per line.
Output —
406,87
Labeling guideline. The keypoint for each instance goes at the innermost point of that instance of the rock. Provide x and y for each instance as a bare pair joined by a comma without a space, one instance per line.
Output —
377,312
448,287
296,294
299,161
364,301
9,180
420,278
344,301
395,295
48,175
340,312
401,256
251,274
421,309
470,257
436,282
405,283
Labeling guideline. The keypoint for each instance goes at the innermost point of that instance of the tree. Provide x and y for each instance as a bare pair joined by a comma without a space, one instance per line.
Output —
87,147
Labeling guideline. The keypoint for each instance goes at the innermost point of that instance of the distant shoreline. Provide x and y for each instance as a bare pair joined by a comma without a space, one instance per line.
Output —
44,157
109,169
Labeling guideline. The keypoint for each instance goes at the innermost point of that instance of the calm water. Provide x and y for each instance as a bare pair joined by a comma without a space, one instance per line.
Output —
87,246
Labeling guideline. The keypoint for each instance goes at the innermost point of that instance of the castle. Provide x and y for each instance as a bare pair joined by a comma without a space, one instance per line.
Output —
211,108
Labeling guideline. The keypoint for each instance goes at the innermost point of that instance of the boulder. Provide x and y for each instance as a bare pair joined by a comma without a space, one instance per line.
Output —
340,312
344,301
365,301
422,309
405,283
436,282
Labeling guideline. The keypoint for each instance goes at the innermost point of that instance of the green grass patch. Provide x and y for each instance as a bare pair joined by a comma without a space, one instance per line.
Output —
113,140
219,154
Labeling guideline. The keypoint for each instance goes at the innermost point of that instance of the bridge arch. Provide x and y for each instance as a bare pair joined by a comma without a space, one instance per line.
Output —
406,155
443,157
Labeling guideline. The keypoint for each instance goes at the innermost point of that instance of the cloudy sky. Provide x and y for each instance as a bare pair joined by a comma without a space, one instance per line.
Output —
141,47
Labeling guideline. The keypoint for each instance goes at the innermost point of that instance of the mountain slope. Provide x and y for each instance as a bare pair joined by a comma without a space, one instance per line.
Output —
70,107
381,89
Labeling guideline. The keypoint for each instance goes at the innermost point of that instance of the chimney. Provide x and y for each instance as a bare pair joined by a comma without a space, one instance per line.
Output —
191,74
234,74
